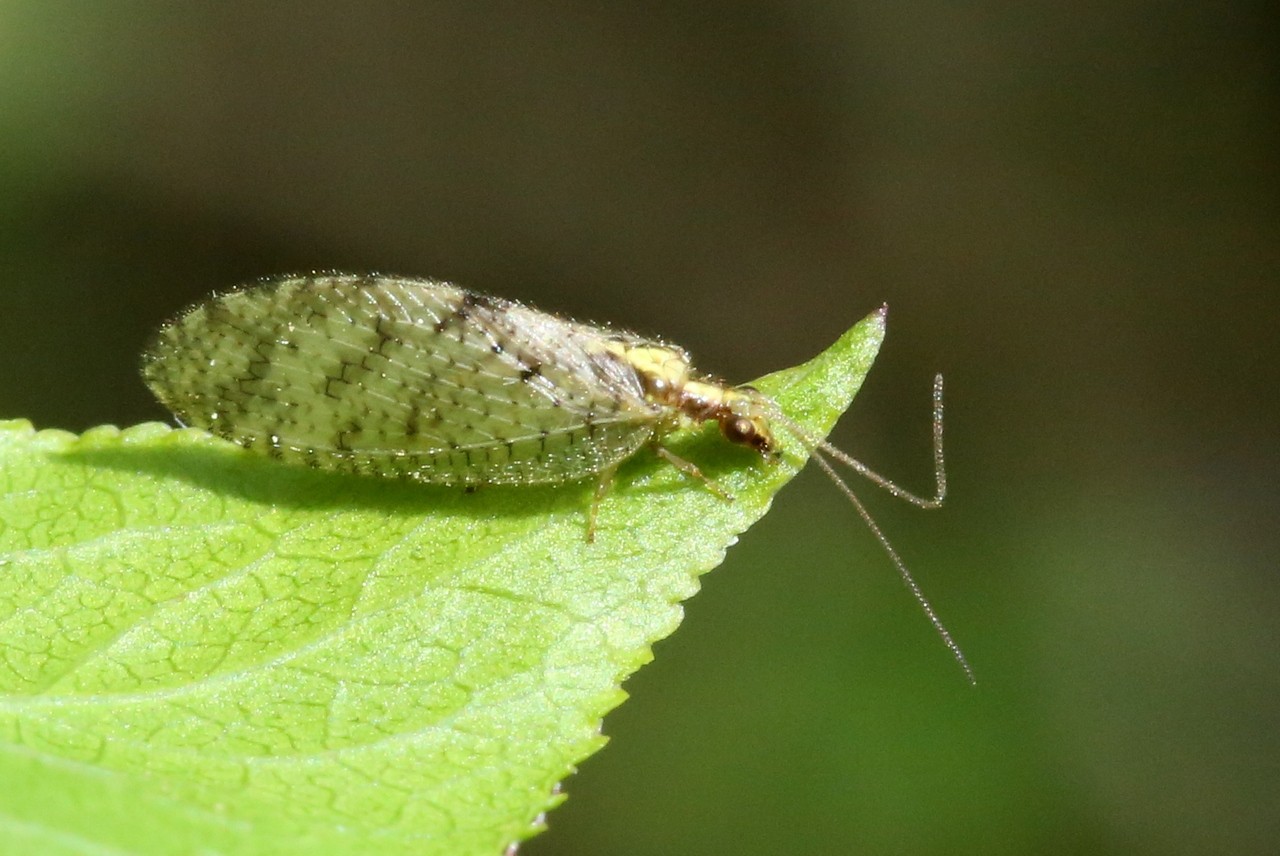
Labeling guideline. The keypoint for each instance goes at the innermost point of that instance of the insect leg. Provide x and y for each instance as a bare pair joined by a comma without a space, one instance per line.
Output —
603,484
691,469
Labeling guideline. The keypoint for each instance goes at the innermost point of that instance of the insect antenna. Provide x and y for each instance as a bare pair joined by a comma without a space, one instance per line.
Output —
821,449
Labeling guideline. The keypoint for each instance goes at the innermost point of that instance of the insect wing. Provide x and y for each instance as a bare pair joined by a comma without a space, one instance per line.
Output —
401,377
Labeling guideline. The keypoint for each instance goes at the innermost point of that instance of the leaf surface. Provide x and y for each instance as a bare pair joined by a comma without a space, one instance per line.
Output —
204,651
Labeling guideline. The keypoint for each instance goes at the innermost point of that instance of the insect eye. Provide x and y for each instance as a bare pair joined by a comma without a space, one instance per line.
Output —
739,430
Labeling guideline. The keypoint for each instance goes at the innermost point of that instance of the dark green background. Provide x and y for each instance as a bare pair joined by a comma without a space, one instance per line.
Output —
1071,209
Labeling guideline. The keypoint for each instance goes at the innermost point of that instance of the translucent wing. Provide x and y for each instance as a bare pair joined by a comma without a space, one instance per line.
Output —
402,377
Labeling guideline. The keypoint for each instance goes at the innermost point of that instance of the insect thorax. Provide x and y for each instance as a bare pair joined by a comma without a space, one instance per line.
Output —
669,380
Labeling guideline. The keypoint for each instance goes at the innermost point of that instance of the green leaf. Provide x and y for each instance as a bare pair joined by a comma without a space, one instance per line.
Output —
204,651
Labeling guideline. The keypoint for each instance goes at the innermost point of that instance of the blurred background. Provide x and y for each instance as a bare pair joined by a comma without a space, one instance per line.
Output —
1071,210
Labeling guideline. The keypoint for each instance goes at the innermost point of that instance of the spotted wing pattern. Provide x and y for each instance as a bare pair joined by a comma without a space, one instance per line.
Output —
403,377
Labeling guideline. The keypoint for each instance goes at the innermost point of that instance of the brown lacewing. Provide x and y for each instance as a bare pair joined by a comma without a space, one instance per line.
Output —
423,380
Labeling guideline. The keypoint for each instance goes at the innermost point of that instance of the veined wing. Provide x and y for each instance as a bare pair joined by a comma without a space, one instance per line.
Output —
402,377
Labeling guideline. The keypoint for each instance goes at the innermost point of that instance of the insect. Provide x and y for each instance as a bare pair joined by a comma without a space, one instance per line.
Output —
423,380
